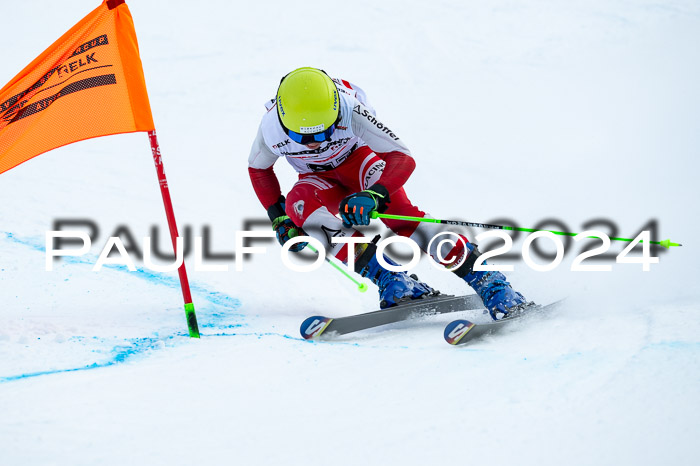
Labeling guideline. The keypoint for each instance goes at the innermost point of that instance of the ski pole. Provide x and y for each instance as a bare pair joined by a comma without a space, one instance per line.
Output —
361,287
665,243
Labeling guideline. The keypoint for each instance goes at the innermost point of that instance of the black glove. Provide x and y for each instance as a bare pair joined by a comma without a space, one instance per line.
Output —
283,225
356,209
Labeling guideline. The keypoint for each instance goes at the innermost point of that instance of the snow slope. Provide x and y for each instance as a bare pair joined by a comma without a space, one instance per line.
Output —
524,110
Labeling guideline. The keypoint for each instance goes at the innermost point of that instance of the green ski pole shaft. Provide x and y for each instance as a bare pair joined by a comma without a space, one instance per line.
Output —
458,223
361,287
665,243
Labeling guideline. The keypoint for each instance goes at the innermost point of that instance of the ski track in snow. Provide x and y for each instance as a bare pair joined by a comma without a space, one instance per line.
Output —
220,309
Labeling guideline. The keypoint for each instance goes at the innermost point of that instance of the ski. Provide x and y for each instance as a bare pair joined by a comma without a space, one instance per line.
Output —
315,326
459,332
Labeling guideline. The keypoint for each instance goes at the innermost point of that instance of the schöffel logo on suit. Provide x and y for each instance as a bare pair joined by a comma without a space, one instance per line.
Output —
365,113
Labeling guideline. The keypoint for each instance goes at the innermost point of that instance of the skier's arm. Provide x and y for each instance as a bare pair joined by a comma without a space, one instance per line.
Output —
262,175
398,169
267,187
383,141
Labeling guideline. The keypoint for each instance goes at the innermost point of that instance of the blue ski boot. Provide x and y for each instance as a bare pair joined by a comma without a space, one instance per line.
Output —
394,287
498,296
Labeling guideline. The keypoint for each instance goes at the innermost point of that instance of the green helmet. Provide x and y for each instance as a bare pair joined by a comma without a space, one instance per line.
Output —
308,105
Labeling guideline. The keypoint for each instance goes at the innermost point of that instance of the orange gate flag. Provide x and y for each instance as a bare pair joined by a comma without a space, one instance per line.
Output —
89,83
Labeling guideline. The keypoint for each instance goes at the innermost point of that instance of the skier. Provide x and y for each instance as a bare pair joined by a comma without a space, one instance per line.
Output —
351,164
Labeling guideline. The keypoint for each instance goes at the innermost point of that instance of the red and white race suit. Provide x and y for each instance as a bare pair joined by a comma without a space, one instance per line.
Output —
362,151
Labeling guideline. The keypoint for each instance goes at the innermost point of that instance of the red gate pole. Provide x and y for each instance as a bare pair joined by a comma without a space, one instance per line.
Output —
184,283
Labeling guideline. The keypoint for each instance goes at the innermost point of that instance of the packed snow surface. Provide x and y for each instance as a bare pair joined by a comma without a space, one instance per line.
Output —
520,110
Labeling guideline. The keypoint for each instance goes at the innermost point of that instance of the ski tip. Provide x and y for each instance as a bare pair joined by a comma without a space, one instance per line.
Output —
314,326
457,330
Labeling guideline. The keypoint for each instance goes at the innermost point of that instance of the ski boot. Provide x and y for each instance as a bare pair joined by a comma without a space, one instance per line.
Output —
394,287
501,300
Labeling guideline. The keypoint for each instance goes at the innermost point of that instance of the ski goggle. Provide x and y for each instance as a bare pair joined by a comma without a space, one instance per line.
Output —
310,138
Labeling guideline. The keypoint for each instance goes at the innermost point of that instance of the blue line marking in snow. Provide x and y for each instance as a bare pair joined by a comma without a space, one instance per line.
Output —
214,297
139,346
676,345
